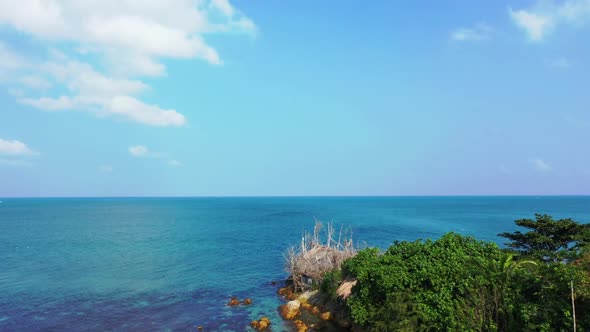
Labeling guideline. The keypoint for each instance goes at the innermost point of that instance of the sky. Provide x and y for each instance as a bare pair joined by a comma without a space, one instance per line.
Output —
265,98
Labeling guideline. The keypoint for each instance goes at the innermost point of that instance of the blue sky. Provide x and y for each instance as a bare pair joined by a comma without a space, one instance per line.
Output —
211,98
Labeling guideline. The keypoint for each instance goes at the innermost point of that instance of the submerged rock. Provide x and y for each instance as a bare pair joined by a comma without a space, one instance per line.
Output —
247,301
233,301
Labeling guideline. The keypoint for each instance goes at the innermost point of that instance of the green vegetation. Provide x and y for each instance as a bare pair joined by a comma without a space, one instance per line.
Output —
550,240
457,283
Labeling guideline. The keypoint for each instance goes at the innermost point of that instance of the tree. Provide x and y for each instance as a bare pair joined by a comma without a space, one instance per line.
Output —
548,239
422,285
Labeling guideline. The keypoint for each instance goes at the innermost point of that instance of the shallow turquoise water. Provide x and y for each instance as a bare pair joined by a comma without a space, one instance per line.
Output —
158,264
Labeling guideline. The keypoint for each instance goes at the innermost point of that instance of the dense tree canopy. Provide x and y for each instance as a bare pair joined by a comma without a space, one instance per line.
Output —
457,283
550,239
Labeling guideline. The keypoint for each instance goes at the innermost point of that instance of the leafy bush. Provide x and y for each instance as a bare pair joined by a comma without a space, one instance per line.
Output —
330,282
457,283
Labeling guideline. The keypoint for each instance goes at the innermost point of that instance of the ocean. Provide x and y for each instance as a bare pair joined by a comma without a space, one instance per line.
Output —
172,264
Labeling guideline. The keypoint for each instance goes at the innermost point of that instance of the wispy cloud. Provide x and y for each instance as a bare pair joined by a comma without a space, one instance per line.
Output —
35,82
130,39
15,148
15,153
535,25
139,151
142,151
481,31
540,165
105,168
15,162
544,16
174,163
560,62
9,59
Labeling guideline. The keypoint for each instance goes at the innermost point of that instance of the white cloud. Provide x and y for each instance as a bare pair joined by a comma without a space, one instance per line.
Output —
105,96
224,6
535,25
129,38
574,11
540,165
560,62
138,151
480,31
51,104
35,82
15,148
142,151
105,168
10,59
15,162
544,16
127,27
174,163
18,93
144,113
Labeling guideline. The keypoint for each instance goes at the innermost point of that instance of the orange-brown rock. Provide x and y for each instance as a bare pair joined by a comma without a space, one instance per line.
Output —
233,301
300,326
306,305
200,328
290,310
287,292
314,310
326,315
247,301
263,324
260,325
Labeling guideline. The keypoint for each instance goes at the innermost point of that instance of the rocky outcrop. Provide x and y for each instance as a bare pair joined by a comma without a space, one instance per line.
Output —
287,292
290,310
300,326
261,325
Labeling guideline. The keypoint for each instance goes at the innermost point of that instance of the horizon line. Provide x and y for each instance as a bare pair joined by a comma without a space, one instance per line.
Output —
306,196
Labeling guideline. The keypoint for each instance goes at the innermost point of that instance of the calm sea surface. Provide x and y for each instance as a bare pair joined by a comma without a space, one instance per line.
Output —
171,264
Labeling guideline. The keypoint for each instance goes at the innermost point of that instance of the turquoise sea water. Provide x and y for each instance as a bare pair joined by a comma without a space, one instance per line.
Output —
171,264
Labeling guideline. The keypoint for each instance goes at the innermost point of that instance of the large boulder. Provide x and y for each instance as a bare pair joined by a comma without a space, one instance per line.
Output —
305,296
261,325
290,310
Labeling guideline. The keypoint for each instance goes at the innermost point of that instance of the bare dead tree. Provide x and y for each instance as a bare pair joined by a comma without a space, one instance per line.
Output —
318,254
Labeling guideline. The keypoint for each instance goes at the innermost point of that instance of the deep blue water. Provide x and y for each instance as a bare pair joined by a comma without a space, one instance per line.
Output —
167,264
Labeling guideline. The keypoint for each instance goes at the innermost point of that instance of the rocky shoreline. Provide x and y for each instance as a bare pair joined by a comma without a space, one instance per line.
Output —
313,311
